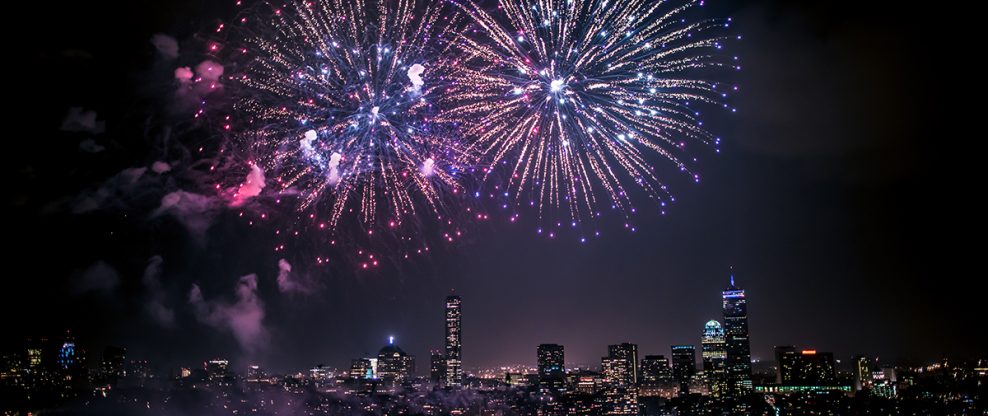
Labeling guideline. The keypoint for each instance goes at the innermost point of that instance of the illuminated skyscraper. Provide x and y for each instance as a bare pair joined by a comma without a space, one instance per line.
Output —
629,354
736,340
454,363
620,369
552,372
683,366
393,363
714,358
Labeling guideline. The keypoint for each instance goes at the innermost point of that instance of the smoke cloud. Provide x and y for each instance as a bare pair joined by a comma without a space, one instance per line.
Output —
287,283
252,186
194,211
77,121
160,167
243,318
415,75
166,45
155,306
99,277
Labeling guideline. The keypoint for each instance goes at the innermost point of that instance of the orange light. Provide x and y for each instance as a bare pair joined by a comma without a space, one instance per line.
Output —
809,352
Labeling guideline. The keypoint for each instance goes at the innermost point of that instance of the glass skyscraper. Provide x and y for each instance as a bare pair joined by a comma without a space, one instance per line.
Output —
454,365
683,366
736,340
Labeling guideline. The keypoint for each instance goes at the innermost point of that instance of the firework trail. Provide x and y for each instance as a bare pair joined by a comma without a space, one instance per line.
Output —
572,102
334,103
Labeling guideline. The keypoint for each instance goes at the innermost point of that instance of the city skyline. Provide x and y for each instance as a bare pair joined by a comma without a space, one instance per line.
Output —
277,185
592,349
58,371
708,350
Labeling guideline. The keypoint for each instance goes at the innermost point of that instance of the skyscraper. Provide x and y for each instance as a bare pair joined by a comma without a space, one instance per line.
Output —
714,358
683,366
393,363
736,340
454,365
629,354
655,369
552,372
620,369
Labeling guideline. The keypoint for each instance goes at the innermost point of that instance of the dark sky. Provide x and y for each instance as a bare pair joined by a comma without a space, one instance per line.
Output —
843,196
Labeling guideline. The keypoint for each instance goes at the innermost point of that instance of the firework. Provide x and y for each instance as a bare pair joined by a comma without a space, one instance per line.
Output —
573,102
334,102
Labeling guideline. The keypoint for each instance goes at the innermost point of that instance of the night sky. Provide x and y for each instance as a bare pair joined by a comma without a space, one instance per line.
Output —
843,197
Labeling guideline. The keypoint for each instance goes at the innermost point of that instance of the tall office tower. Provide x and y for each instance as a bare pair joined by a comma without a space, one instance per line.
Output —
714,358
552,372
437,367
454,363
655,369
736,339
629,354
620,369
683,366
863,369
393,363
805,367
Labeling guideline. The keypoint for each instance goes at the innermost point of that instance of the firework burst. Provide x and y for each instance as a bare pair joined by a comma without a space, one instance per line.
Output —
573,101
334,103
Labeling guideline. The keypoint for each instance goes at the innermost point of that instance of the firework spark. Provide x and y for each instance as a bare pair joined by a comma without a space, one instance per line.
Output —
577,99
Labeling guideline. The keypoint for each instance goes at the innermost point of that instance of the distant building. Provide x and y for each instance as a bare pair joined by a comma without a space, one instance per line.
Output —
586,382
883,383
805,367
362,369
254,373
683,366
113,365
141,370
714,358
217,370
624,358
517,379
393,363
655,369
319,374
551,366
454,342
737,342
620,369
437,366
863,369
